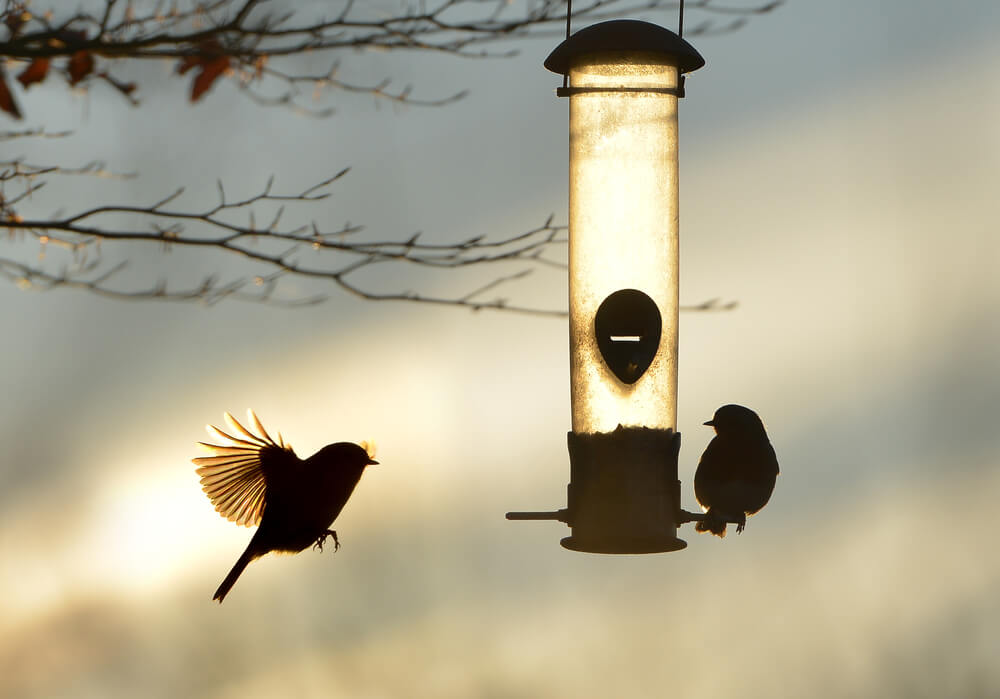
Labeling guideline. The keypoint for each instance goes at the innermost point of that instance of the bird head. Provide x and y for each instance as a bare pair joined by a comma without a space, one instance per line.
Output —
735,419
345,455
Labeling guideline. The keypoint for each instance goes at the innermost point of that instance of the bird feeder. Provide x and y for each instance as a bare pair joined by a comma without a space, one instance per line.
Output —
624,81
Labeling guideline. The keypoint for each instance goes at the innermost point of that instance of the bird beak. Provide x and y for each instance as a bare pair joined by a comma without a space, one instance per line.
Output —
372,462
709,423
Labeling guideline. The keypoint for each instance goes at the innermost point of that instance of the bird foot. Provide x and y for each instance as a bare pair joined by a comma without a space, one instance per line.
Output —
741,524
322,538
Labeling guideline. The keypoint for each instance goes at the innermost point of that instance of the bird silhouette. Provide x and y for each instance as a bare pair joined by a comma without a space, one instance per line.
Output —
736,474
256,480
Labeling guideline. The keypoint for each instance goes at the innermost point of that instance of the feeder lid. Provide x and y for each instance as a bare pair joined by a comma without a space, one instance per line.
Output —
624,35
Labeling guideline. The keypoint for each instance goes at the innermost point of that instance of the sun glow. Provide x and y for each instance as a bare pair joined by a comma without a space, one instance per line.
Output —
623,224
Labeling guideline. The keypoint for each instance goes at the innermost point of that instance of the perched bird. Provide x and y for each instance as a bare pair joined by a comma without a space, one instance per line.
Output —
736,474
256,480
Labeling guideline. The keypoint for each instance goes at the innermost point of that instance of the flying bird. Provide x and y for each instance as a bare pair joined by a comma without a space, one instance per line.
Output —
736,474
257,480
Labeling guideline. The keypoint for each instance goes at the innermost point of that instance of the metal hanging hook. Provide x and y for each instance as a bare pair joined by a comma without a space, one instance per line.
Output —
569,16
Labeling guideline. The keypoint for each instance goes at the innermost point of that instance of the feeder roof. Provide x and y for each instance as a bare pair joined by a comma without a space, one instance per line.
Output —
626,36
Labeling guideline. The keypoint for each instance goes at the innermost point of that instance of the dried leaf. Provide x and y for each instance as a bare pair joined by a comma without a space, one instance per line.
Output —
207,50
80,65
187,63
210,72
7,102
35,72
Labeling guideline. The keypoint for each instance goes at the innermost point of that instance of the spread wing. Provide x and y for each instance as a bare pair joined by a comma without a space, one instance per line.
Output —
235,478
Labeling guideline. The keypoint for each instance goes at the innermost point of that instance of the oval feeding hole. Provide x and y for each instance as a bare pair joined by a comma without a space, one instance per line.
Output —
627,326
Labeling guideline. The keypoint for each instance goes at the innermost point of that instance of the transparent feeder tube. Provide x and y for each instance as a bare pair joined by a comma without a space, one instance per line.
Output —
623,222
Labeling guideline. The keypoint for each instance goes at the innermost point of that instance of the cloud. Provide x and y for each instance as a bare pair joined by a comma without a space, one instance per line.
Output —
860,243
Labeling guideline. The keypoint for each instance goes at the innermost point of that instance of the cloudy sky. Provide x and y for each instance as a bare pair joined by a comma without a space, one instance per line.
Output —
839,172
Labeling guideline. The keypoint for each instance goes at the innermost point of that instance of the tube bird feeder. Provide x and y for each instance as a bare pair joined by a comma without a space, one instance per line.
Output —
624,78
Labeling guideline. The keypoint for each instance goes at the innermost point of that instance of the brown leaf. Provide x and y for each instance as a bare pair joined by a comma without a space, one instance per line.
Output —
7,102
211,69
80,66
207,50
189,62
35,72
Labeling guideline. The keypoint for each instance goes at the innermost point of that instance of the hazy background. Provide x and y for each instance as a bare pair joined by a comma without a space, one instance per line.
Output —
840,164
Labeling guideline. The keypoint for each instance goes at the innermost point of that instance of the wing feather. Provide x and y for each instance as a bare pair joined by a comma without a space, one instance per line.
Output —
260,428
227,451
220,460
235,425
234,478
213,430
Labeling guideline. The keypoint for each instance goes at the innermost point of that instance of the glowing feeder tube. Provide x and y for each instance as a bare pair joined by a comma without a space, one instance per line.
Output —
624,80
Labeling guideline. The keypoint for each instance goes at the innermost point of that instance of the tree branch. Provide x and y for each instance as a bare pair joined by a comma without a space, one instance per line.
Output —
241,39
255,49
338,254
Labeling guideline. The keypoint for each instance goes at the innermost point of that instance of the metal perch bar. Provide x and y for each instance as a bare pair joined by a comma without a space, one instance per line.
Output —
558,515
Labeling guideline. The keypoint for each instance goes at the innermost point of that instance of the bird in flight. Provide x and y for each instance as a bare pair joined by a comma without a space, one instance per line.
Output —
736,474
256,480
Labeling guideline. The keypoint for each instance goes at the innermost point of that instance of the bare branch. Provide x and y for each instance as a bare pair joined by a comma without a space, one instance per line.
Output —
244,43
275,248
242,40
39,132
338,256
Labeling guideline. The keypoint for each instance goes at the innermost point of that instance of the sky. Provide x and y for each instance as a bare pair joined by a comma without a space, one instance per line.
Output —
838,171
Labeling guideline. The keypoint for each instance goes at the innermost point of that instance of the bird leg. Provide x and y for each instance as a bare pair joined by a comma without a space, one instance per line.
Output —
322,537
741,523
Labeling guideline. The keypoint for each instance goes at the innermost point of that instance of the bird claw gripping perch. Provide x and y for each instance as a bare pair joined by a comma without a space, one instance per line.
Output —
741,524
322,538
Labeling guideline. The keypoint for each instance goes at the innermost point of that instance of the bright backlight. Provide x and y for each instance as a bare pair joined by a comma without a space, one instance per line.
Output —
623,233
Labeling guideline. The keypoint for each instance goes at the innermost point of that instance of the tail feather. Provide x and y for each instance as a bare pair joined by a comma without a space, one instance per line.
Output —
713,522
234,574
